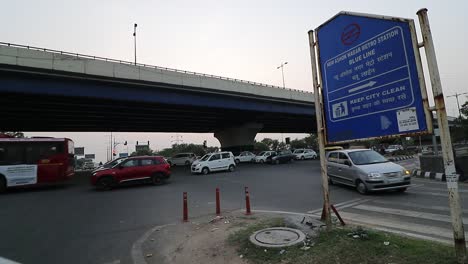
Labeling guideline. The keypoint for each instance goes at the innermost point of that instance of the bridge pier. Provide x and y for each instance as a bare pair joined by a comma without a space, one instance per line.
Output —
238,139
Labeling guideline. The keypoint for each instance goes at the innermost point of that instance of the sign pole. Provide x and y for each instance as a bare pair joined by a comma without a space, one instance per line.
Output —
320,132
447,152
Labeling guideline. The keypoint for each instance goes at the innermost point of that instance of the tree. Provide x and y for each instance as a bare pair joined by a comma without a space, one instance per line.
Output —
143,152
298,143
260,146
271,143
311,141
13,134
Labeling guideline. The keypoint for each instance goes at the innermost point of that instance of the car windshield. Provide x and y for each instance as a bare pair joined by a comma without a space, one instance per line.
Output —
112,163
298,151
366,157
205,158
261,153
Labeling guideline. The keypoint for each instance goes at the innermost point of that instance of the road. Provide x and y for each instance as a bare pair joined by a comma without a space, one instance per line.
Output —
76,224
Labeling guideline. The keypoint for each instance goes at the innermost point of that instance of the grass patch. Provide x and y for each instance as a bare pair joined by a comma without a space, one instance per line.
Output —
337,246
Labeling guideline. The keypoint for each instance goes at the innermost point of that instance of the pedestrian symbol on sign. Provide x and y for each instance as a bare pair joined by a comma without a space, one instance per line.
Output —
340,109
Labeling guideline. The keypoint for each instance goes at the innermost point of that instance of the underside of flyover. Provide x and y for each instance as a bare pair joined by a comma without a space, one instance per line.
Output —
45,101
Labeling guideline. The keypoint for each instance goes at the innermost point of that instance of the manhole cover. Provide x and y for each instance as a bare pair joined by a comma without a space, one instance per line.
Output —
277,237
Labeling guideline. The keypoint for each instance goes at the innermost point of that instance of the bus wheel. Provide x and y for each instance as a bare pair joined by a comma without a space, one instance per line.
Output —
2,184
105,183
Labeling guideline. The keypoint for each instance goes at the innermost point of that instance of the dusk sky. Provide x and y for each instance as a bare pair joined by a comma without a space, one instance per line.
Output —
239,39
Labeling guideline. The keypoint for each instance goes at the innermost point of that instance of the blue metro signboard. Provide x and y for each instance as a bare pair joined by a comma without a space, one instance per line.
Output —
370,83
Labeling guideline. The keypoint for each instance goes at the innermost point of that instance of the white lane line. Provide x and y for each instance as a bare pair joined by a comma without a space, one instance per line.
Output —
411,227
283,212
428,193
137,251
407,213
409,234
113,262
416,206
442,189
340,205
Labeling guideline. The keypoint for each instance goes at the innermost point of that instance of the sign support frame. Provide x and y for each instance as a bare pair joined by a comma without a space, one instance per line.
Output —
320,130
446,142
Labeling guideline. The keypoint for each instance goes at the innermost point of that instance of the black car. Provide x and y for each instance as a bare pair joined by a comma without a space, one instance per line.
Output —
281,157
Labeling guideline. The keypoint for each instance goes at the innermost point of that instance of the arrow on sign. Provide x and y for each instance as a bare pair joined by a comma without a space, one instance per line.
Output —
369,84
384,122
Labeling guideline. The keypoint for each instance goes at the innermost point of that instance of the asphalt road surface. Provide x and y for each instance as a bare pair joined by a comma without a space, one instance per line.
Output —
77,224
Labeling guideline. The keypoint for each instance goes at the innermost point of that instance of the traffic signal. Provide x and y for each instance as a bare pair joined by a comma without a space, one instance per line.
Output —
204,144
125,143
287,140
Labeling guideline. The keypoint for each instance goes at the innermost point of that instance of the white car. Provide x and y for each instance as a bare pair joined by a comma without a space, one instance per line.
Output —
184,159
245,156
393,148
218,161
262,156
302,154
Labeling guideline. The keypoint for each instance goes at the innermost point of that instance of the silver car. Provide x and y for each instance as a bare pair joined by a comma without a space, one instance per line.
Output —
366,170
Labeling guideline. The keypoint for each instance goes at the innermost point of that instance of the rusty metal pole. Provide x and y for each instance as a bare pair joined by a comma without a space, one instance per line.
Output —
447,152
320,131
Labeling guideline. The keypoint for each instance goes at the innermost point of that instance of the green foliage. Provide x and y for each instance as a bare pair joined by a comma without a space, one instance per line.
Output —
260,146
271,143
199,150
339,246
143,152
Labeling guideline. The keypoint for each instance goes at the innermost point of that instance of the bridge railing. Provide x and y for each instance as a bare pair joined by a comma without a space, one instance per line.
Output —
84,56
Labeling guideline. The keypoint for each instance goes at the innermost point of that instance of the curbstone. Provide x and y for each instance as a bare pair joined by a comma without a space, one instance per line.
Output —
429,175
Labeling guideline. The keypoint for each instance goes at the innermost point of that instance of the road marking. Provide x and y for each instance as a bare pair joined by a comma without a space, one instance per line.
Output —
113,262
417,206
411,227
405,233
401,212
428,193
283,212
137,251
340,205
443,190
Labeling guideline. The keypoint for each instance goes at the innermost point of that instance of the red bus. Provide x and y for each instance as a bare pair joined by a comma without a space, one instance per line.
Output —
35,161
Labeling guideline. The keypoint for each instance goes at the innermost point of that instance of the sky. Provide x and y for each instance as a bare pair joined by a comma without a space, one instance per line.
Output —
240,39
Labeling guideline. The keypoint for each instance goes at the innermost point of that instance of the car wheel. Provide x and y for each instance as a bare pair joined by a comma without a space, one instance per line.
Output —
402,189
237,161
361,187
302,158
205,171
3,186
277,162
187,163
105,183
262,161
314,157
157,179
232,168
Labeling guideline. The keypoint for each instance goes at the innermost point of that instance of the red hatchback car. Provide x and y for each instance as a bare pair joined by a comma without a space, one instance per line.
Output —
152,169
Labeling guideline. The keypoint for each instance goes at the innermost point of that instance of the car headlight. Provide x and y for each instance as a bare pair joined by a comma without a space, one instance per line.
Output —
374,175
406,173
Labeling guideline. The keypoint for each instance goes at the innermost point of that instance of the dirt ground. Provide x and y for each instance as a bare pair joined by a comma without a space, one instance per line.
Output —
201,241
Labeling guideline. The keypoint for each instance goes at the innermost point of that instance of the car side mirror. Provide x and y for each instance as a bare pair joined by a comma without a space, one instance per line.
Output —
347,162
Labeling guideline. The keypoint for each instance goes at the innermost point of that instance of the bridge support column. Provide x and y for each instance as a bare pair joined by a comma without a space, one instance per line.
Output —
238,139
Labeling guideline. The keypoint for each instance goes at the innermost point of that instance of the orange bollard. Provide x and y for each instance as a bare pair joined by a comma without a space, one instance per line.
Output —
218,206
185,210
247,202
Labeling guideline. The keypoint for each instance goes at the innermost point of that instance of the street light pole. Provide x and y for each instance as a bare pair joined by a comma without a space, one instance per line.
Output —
134,37
282,71
458,103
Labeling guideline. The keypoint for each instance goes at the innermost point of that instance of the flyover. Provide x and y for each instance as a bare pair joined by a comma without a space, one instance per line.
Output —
50,90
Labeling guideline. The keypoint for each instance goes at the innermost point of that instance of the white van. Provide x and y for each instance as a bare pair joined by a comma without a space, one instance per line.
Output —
218,161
